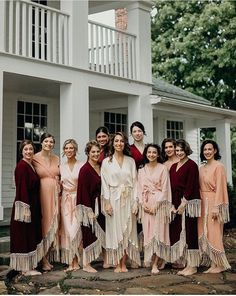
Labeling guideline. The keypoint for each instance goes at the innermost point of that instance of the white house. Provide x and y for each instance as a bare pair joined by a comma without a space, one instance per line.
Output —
61,72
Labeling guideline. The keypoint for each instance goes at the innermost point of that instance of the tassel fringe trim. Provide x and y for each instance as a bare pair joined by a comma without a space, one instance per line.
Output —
164,211
67,255
210,254
86,217
27,261
22,212
193,208
92,252
125,246
223,213
193,257
161,249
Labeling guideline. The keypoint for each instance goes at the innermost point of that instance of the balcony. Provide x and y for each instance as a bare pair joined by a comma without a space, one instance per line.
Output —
43,33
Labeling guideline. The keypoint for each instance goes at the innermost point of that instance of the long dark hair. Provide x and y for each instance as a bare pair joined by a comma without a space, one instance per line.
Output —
139,125
157,147
126,150
215,146
163,144
46,135
104,129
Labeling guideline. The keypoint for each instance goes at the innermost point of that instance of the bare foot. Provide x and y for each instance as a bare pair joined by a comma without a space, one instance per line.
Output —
46,268
117,269
180,272
161,264
177,266
31,273
216,269
69,268
208,270
89,268
190,271
124,269
76,267
155,270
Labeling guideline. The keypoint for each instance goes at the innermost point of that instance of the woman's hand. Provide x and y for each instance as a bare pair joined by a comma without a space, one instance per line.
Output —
150,211
109,210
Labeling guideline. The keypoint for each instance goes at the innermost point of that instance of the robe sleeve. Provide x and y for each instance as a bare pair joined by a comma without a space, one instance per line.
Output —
192,191
22,205
135,185
84,211
105,192
221,206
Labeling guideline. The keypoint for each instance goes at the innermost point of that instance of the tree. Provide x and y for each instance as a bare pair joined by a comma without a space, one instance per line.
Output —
194,46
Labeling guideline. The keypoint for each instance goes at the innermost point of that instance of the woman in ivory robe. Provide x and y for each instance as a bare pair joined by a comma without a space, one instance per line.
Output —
119,191
215,207
70,232
46,165
154,194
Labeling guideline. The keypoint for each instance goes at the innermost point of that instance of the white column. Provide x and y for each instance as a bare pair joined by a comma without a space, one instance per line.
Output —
140,109
2,25
74,113
78,31
224,142
1,140
139,23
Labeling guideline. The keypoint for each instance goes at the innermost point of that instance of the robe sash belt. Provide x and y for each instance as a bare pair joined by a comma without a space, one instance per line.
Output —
69,206
123,192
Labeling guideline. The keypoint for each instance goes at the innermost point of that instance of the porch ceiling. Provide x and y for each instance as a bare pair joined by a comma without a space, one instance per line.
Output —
31,86
101,5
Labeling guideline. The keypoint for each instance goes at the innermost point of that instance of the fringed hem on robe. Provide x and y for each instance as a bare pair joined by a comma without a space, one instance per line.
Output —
86,217
164,212
124,246
178,250
22,212
223,213
92,252
210,254
27,261
193,208
52,240
193,257
161,249
67,255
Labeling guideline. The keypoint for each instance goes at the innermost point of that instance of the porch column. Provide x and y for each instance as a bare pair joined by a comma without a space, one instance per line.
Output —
140,109
1,140
139,23
78,31
223,140
74,113
2,25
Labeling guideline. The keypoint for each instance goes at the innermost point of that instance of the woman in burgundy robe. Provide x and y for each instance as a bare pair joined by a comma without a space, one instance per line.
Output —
184,179
89,207
137,131
102,137
26,244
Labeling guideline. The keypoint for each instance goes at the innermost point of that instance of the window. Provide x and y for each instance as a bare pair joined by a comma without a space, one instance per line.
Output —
31,122
115,122
174,129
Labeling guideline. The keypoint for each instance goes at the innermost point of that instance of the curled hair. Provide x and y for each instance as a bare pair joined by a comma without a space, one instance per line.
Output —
215,146
163,144
72,142
23,143
102,129
46,135
139,125
157,147
126,150
185,146
89,146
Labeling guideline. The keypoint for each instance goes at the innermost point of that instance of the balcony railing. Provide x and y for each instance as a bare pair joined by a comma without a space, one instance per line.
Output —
41,32
111,51
37,31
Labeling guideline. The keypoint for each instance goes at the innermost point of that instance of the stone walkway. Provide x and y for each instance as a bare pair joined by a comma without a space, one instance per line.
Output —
104,282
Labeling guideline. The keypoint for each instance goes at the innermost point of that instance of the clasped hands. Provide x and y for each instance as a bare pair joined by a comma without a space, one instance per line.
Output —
180,208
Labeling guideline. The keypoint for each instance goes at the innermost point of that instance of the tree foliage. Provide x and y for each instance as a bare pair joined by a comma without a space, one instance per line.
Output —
194,47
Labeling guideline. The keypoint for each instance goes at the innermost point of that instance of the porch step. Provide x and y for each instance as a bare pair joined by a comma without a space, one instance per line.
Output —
5,258
4,244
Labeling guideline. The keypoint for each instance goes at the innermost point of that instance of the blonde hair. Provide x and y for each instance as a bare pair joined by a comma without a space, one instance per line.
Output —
72,142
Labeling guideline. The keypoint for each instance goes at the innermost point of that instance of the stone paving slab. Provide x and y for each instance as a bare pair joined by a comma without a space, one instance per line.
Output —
52,291
77,291
49,277
139,291
208,278
187,288
223,289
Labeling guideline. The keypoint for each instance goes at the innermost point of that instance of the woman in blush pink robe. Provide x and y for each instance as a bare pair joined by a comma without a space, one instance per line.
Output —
154,193
215,207
70,232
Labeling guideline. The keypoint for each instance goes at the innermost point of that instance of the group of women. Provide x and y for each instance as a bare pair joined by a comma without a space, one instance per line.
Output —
78,212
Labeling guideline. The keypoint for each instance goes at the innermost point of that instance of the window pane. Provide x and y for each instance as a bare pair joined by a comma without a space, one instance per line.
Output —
112,117
36,135
20,107
44,110
28,108
36,109
124,118
118,128
20,120
43,122
28,133
20,134
28,119
118,118
106,116
168,124
36,120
